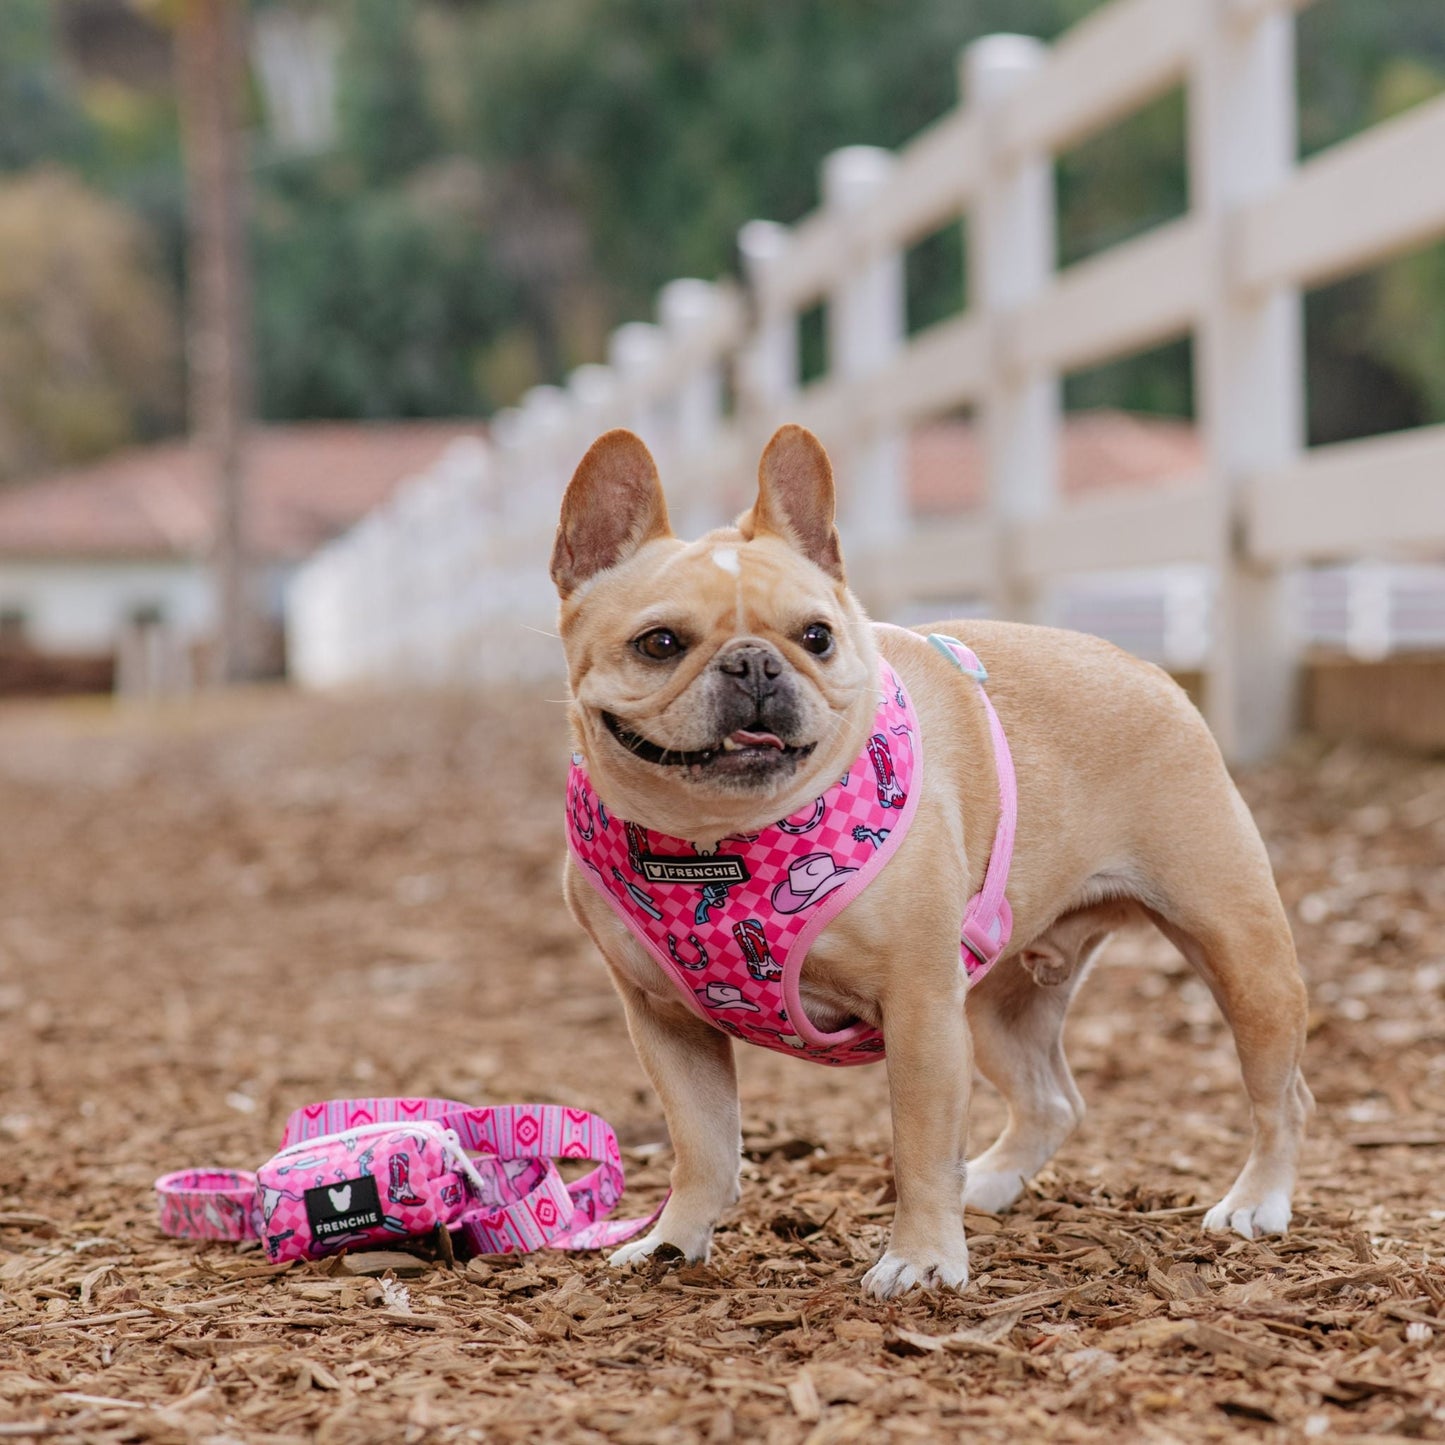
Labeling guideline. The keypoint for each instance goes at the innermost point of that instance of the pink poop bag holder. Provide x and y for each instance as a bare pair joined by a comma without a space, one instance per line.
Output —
358,1173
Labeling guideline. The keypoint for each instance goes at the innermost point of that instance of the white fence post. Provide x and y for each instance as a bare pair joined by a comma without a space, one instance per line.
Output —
866,326
769,367
593,389
635,351
1249,367
686,308
1011,250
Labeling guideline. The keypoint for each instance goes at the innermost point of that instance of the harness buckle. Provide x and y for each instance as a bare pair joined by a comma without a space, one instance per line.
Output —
985,935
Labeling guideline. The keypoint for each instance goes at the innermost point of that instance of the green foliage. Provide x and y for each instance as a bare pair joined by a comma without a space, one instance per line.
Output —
512,178
89,337
39,118
668,125
386,121
368,303
1375,344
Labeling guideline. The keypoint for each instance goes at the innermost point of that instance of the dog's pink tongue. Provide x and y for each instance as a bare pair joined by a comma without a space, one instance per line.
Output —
744,739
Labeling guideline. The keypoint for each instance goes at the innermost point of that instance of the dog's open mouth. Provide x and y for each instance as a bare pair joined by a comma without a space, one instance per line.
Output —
743,750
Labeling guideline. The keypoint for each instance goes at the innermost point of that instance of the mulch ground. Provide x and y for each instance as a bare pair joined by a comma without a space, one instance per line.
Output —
212,914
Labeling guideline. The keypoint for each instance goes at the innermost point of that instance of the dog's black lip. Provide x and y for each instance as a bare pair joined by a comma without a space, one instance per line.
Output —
649,752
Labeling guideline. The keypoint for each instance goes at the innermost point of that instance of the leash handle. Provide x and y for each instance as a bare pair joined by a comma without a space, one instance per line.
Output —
209,1204
524,1204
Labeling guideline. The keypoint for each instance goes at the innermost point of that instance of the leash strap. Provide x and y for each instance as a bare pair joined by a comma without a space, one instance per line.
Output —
988,919
524,1204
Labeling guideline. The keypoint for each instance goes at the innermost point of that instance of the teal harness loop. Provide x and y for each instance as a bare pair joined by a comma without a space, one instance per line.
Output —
947,646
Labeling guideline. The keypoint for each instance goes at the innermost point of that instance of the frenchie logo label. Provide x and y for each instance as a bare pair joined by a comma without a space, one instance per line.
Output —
343,1208
714,868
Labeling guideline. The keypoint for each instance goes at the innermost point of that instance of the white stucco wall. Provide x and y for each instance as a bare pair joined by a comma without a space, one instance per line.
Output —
81,606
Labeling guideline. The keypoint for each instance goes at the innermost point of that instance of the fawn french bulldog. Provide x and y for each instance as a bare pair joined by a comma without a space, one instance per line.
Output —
722,685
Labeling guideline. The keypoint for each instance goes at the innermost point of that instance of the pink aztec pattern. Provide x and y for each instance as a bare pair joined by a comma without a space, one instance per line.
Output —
517,1203
736,951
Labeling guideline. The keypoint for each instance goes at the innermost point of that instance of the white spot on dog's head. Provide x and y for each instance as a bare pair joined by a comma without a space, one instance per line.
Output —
727,559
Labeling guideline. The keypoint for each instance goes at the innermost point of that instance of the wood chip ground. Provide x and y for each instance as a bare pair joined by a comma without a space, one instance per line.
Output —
212,914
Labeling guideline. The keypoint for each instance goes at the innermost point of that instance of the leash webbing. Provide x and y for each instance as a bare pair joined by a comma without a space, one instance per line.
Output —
524,1203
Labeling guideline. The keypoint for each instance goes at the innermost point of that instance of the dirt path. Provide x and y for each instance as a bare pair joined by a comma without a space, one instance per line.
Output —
212,915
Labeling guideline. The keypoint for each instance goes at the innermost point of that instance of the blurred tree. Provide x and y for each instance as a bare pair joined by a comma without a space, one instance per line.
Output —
89,338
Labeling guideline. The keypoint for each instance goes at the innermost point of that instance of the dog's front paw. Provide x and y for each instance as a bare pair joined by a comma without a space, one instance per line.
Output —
896,1274
1250,1218
694,1251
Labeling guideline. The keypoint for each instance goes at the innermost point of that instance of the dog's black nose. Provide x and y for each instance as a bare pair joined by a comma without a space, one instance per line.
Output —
754,667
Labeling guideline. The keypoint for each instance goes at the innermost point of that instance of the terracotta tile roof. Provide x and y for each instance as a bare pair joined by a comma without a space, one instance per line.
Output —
1102,450
311,481
307,483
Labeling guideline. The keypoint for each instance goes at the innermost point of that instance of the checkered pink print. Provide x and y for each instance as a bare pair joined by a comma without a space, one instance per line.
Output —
736,953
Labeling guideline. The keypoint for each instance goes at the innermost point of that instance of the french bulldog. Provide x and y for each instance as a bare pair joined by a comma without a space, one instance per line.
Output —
722,684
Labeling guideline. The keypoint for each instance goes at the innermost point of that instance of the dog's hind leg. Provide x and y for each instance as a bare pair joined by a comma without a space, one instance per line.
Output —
1246,956
1016,1019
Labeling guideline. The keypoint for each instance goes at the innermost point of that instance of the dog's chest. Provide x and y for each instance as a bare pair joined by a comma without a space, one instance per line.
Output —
833,992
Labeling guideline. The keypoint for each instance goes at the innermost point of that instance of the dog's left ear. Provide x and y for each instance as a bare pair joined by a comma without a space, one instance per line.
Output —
795,499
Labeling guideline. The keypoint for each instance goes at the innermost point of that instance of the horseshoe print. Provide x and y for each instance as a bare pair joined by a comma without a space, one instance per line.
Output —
699,961
814,818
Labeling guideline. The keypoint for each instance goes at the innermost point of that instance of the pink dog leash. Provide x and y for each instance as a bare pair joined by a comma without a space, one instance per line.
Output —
493,1169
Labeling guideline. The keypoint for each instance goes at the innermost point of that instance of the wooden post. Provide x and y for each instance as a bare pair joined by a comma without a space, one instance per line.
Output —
1011,254
1249,367
209,53
866,328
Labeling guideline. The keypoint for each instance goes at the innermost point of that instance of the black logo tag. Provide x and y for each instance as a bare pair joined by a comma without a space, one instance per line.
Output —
344,1207
722,868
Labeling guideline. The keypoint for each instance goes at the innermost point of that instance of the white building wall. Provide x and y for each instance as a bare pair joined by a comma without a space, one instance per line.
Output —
81,606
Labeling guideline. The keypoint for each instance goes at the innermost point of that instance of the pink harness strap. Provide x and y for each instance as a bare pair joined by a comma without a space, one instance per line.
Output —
525,1204
988,920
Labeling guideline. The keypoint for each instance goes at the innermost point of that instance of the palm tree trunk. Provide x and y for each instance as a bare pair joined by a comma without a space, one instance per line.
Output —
209,53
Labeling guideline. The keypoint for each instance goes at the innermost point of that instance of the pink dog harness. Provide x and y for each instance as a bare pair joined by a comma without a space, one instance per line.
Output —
731,928
357,1173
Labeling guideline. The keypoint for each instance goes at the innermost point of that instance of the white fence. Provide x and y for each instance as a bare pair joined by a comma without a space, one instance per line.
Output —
449,582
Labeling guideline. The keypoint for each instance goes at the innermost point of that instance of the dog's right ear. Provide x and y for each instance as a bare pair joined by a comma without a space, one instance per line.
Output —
613,505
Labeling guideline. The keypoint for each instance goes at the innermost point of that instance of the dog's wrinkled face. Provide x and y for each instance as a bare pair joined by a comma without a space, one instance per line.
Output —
720,684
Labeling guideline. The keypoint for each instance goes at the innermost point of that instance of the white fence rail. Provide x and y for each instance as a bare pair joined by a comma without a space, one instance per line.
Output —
448,582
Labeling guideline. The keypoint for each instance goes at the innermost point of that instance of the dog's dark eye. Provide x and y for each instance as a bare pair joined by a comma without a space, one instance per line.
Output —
660,645
818,638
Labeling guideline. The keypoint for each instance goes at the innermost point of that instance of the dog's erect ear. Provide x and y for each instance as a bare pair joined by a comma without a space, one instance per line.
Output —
795,498
613,505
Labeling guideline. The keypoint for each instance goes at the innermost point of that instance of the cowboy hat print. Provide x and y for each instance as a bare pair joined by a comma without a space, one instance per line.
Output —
726,995
809,881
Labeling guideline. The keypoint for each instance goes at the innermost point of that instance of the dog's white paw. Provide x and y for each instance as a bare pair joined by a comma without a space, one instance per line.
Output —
896,1274
992,1190
649,1244
1270,1215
